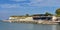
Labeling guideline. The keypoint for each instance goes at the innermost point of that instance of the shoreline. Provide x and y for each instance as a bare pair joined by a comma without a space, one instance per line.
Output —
32,22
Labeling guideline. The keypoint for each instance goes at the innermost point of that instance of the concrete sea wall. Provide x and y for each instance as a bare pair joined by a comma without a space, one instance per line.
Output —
33,22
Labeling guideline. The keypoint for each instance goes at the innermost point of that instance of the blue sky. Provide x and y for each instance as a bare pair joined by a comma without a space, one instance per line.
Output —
22,7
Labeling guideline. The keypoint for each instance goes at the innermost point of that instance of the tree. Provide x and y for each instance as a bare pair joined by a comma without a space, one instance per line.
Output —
27,14
48,14
58,11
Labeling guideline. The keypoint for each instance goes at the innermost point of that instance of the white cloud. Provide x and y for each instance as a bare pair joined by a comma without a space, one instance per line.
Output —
18,0
9,5
28,0
49,3
38,3
34,2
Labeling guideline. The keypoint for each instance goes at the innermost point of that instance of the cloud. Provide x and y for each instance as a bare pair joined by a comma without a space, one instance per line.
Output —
28,0
49,3
21,1
9,5
18,0
33,3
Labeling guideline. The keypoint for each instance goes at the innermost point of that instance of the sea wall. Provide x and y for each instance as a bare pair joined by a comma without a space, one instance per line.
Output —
33,22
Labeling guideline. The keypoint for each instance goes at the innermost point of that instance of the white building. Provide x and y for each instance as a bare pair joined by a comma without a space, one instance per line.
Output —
21,18
54,18
27,19
30,18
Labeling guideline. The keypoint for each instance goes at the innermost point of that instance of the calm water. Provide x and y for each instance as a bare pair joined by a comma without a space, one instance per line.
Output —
24,26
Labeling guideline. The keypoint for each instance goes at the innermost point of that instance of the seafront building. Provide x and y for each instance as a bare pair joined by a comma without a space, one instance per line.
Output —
21,18
33,18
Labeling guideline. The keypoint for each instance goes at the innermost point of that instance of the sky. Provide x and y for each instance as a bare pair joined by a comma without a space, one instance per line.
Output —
22,7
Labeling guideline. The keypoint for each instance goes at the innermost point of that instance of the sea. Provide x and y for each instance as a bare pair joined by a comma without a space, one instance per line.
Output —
27,26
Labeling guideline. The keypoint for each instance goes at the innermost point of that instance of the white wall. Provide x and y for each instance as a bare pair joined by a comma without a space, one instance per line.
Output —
12,17
27,19
54,18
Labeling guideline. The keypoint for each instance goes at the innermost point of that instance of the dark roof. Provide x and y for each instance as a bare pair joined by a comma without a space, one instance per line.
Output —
39,15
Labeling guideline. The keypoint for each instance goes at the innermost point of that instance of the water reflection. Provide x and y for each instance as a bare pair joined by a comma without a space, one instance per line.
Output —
58,27
54,27
42,27
22,26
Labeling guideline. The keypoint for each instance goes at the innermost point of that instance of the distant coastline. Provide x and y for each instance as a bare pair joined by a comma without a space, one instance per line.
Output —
46,18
